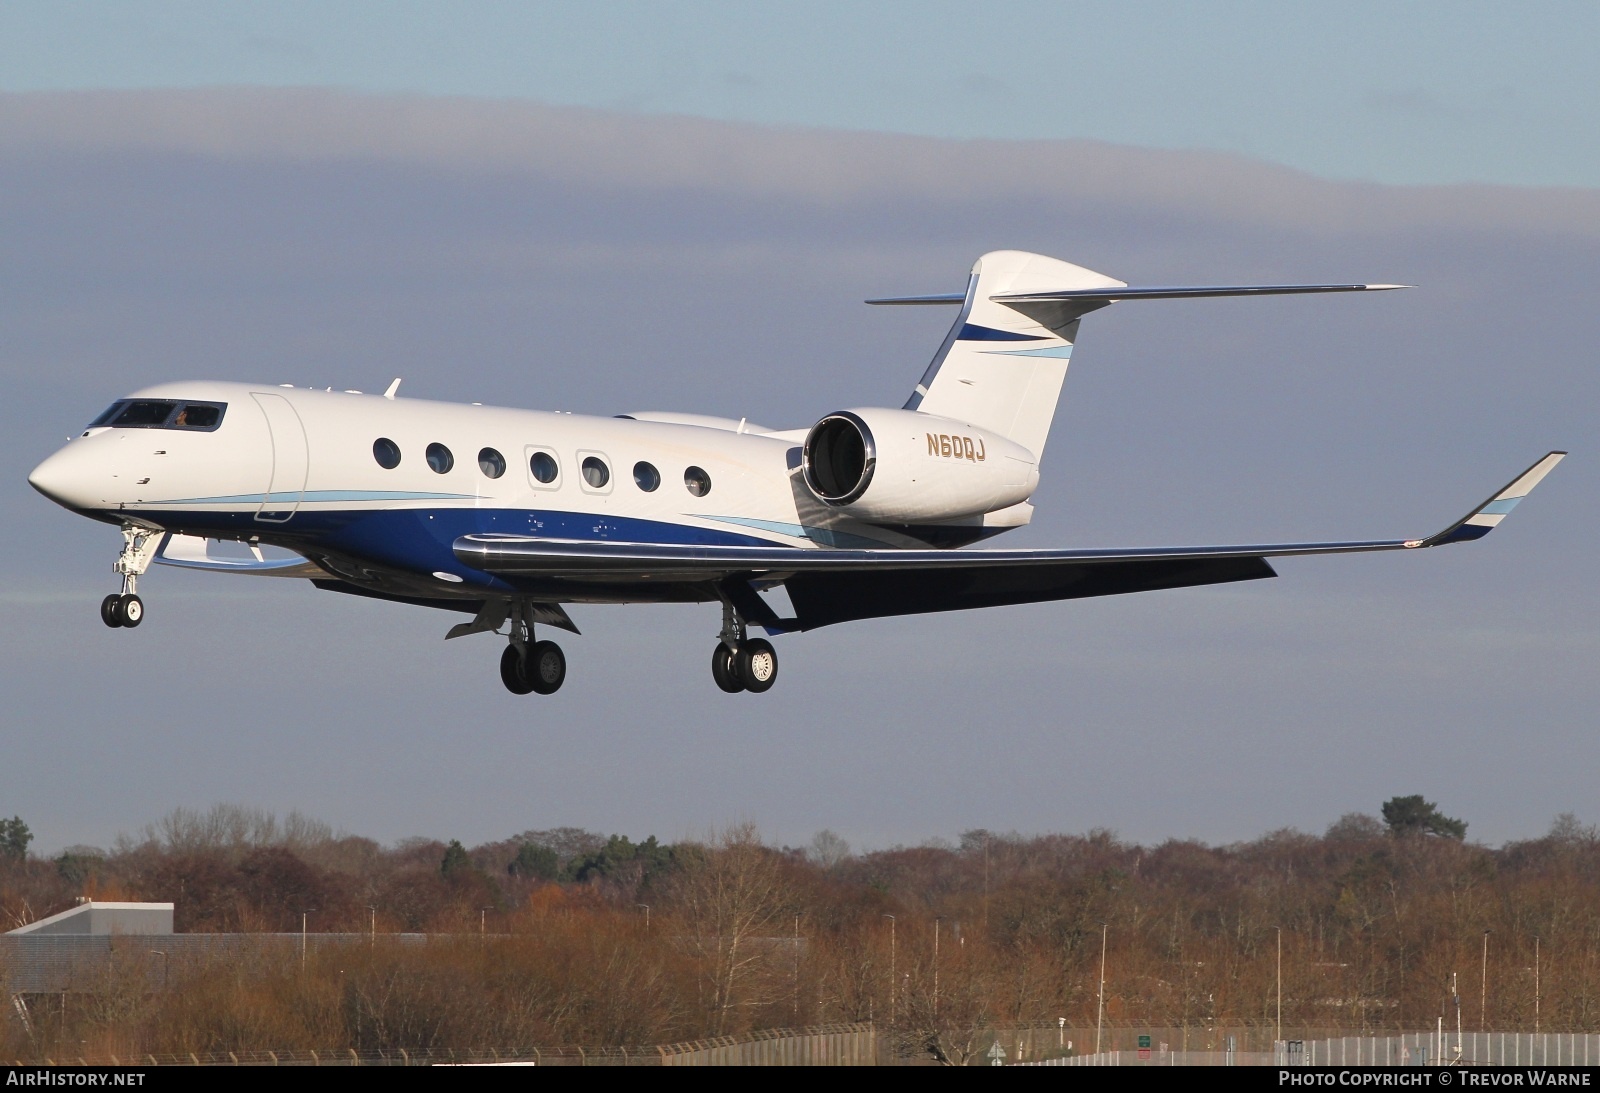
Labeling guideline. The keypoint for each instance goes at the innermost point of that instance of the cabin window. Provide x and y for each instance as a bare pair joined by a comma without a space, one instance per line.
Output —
646,477
491,463
595,472
697,481
544,467
386,452
439,458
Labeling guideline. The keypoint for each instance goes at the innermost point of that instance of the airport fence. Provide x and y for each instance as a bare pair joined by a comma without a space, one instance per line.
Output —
823,1045
1436,1048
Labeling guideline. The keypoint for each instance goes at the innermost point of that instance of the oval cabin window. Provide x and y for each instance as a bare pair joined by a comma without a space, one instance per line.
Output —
439,458
595,472
697,481
543,467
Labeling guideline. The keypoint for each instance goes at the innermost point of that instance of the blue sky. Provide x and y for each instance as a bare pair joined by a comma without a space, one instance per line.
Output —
1400,93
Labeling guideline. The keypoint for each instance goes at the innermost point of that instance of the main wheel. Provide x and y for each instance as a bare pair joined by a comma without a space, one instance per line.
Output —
756,662
511,671
111,610
130,610
722,669
547,667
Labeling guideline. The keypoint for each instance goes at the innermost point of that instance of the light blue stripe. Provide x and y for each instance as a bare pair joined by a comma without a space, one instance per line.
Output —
316,496
1500,507
837,539
1062,351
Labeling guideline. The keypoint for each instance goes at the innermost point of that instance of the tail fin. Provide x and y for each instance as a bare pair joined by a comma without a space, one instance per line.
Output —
1003,362
1002,365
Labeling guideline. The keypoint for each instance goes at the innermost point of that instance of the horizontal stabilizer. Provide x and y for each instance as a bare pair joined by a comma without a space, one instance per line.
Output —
1181,292
1159,292
938,298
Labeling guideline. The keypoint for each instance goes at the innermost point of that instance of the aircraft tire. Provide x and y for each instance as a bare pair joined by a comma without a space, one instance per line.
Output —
130,610
546,667
722,669
756,662
511,673
111,610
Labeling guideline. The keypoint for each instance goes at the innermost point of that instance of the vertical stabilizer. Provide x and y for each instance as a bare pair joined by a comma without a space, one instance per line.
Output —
1002,364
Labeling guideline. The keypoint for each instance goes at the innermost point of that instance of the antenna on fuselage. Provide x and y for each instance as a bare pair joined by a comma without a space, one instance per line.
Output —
393,387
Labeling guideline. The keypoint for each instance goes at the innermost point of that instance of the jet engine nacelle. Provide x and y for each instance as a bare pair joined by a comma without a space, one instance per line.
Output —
901,466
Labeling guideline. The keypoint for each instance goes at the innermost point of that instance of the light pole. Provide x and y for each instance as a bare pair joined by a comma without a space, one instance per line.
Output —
891,969
1536,984
646,907
1455,996
303,916
1100,1008
1483,987
936,969
163,956
1278,1035
372,938
796,952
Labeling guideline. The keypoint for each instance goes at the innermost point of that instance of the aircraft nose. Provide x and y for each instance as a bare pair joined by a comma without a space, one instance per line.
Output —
66,478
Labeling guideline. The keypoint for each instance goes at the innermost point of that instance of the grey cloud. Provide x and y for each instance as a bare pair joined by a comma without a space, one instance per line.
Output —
590,147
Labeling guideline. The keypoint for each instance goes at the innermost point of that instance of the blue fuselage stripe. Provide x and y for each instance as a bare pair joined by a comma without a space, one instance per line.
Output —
420,540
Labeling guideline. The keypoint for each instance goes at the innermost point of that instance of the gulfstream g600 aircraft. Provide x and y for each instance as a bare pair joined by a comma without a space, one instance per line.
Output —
510,515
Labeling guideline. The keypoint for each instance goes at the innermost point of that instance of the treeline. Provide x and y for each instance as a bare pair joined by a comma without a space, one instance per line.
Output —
565,936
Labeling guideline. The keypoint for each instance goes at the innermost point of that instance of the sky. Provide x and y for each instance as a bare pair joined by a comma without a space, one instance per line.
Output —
611,236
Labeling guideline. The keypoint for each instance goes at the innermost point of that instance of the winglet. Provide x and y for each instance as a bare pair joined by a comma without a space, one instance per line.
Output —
393,387
1483,519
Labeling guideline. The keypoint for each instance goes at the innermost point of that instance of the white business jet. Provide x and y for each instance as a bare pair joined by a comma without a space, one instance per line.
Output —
510,515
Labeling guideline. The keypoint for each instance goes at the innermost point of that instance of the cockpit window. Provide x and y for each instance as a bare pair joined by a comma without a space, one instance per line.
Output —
198,415
161,414
143,414
105,419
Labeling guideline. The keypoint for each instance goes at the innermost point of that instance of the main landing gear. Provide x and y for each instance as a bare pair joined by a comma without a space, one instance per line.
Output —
528,666
138,548
742,663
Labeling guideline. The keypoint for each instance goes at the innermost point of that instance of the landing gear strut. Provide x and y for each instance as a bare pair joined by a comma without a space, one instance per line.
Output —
739,662
528,666
138,548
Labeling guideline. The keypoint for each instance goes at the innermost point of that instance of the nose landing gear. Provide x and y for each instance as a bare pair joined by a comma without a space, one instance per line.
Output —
742,663
138,548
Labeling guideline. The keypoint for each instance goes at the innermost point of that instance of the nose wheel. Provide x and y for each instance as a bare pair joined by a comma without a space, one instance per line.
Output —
138,548
126,610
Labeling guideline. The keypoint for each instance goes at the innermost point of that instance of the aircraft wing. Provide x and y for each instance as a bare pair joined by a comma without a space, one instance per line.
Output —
828,586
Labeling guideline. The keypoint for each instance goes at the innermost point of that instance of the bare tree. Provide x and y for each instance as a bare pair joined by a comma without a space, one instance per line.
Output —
731,902
827,849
